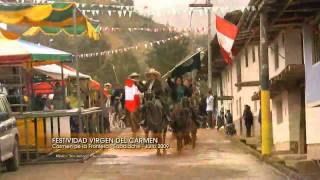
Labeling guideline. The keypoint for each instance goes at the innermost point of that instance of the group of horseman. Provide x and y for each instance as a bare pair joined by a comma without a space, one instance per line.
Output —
177,91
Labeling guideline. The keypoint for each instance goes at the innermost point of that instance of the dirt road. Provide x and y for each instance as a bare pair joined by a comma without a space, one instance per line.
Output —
215,157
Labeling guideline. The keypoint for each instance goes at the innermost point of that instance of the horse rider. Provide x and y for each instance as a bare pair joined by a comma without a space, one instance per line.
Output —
154,85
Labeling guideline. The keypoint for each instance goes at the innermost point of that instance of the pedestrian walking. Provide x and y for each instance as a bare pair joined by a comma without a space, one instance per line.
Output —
209,109
248,119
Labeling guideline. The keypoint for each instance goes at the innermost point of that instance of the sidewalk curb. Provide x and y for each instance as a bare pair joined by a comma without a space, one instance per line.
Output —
278,166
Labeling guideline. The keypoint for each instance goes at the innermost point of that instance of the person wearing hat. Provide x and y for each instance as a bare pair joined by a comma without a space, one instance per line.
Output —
154,85
134,76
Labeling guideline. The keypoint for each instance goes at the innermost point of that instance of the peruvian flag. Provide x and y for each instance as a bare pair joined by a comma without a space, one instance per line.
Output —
132,98
226,33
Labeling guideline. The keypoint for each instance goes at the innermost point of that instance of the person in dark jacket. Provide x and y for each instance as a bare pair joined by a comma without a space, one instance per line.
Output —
220,121
248,119
229,118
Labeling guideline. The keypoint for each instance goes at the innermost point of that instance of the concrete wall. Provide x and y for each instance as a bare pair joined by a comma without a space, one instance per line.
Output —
312,70
312,74
290,51
229,79
286,132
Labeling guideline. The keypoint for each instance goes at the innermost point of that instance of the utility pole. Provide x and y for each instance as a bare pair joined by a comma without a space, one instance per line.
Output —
265,92
207,5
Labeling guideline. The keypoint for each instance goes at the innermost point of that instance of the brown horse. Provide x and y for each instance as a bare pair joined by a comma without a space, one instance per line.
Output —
154,121
183,125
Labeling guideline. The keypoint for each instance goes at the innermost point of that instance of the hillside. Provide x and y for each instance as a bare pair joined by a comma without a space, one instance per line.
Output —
99,67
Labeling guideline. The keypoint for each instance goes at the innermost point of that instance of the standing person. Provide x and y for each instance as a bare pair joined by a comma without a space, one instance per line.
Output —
107,117
202,111
209,109
248,119
229,118
58,101
178,89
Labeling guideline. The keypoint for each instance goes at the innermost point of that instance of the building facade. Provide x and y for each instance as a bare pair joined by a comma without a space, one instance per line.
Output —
311,55
294,74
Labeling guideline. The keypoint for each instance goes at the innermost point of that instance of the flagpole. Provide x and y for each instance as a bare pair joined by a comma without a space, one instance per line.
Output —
209,6
209,50
77,68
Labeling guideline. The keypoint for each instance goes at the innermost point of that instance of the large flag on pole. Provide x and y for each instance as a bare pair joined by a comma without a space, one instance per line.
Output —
226,34
132,99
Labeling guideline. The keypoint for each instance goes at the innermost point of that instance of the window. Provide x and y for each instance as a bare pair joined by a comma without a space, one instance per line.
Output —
316,46
279,111
246,57
238,74
276,55
253,54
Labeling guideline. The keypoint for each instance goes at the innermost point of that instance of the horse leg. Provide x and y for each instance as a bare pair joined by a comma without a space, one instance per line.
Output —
194,138
158,136
164,140
146,132
179,141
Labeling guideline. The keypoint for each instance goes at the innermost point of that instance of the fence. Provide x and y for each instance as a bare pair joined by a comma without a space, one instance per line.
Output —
37,128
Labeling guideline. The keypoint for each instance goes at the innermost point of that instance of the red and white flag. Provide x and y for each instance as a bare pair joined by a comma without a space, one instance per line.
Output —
226,34
132,98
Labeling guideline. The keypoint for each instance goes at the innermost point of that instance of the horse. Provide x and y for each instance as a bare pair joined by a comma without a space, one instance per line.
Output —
117,120
182,124
154,120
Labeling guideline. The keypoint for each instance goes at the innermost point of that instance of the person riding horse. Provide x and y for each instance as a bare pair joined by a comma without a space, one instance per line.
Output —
154,86
154,108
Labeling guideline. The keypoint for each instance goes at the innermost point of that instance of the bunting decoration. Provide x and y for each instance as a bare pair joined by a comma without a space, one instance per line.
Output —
123,50
157,29
127,11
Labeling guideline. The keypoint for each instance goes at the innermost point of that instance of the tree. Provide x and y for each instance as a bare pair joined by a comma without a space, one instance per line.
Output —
164,57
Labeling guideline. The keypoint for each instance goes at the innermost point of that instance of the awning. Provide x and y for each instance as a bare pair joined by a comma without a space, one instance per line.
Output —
53,31
20,51
54,71
56,15
189,64
8,35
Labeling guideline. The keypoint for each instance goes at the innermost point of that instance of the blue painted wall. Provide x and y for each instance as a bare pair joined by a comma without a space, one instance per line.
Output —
312,71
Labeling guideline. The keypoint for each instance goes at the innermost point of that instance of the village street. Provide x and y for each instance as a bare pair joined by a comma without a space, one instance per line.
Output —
215,157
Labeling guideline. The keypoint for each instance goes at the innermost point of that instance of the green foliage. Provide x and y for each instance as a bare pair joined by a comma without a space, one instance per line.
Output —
124,64
166,56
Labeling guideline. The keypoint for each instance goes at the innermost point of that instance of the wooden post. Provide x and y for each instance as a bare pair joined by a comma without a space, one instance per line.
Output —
77,68
63,84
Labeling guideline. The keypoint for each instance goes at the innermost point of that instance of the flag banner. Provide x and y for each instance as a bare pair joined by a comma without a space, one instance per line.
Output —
188,65
132,99
226,34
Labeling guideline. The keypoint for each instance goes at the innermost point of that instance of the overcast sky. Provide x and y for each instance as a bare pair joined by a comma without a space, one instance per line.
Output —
176,12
